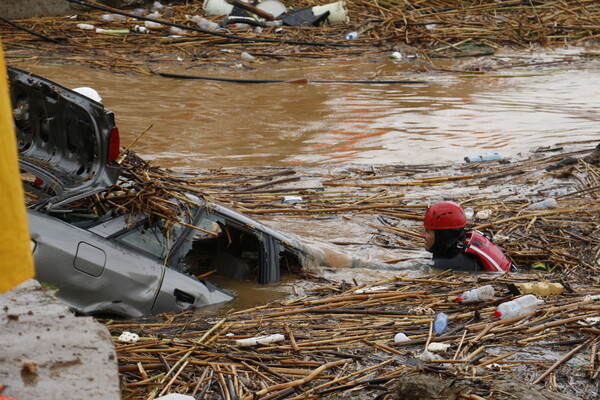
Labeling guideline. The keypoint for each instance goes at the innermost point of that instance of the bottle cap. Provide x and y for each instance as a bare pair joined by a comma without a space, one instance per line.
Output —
497,314
458,299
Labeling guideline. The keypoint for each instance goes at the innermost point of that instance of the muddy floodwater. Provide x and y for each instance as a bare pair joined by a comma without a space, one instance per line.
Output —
199,124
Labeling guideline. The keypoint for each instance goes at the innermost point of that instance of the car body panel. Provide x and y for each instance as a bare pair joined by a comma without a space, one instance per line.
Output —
62,137
129,280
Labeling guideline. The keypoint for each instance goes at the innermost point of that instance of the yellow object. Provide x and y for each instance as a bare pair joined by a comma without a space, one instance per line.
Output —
16,263
540,266
540,288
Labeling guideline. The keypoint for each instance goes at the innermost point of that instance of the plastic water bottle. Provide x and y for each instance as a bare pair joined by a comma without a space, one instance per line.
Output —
176,31
152,25
469,212
157,6
440,323
516,307
113,18
484,157
203,23
351,35
481,293
548,203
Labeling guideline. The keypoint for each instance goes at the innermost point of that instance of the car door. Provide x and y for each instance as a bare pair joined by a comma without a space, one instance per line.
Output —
91,272
176,290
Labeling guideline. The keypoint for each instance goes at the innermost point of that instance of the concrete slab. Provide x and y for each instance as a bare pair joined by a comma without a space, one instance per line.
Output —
15,9
46,352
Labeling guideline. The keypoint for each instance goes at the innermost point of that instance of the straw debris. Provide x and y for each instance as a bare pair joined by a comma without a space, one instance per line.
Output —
434,29
338,337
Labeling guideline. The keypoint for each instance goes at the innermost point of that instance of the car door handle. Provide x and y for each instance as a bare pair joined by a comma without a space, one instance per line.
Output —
183,299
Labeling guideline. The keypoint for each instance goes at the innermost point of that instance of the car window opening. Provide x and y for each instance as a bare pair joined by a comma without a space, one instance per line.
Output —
236,252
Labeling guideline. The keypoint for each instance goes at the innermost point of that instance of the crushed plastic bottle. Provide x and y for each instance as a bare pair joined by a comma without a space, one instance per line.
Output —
484,157
469,212
440,323
177,31
548,203
519,306
247,56
86,27
203,23
481,293
157,6
140,11
483,215
113,18
351,35
152,25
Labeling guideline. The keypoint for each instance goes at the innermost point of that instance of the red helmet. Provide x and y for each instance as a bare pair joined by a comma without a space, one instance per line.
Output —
445,215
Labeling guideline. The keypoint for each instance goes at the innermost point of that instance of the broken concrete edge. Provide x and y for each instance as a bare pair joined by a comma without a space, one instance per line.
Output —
46,351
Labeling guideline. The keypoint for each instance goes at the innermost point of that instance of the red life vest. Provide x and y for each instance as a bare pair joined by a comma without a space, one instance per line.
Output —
488,254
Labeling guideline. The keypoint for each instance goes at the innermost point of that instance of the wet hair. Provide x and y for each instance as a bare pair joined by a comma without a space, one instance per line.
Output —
447,241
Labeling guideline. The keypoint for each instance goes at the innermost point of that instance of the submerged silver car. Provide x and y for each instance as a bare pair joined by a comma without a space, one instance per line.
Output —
115,263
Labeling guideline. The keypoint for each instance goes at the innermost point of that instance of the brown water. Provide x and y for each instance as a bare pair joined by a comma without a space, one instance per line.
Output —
202,124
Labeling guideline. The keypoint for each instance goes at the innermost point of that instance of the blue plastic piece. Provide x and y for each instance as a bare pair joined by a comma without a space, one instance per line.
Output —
440,324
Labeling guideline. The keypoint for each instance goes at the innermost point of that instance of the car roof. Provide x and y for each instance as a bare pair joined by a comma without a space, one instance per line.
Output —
62,137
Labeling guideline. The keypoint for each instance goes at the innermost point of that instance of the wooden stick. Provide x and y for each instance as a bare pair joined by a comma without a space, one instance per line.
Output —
565,358
298,382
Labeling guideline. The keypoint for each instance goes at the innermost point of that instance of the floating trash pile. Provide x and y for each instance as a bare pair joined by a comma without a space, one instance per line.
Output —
103,37
492,336
365,340
543,211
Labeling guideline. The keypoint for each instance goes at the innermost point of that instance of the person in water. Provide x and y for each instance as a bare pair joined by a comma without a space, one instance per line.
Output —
457,248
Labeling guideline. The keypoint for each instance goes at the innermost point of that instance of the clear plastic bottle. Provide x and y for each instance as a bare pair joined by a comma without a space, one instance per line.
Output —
113,18
440,324
481,293
492,156
469,213
203,23
548,203
519,306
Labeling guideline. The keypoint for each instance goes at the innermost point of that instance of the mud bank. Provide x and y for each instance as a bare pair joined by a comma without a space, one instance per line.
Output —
48,352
